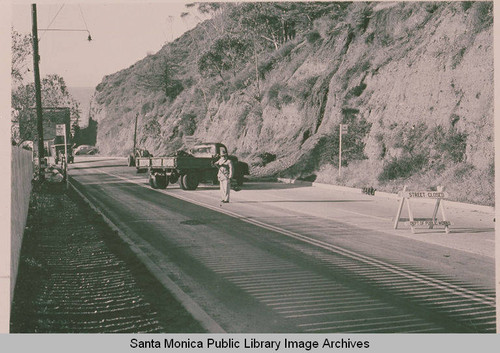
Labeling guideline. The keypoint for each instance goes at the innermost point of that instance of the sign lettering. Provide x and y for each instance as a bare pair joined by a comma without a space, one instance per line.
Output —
424,194
428,223
60,129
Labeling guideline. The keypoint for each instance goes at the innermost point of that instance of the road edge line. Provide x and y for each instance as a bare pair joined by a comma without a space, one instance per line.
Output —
189,304
435,282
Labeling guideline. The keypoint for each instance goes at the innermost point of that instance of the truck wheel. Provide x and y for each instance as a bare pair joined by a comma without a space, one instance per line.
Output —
130,161
173,178
158,181
153,181
239,179
190,181
181,182
162,181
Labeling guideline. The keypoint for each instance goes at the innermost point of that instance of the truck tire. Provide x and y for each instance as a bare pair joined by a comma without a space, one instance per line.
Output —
239,179
181,182
158,181
173,178
190,181
131,161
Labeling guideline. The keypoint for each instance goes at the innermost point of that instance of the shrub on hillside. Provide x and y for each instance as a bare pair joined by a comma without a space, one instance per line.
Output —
358,90
483,14
431,7
364,19
279,95
266,158
305,88
450,144
353,143
313,36
402,167
466,5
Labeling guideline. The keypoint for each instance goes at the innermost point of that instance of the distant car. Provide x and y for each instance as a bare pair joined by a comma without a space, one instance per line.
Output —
85,150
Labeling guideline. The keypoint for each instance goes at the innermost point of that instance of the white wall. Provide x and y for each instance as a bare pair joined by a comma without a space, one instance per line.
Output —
21,175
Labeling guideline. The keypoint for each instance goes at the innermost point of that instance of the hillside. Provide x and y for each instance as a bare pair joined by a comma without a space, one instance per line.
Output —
414,81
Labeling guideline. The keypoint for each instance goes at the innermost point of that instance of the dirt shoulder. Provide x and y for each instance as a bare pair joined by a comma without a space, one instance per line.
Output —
77,276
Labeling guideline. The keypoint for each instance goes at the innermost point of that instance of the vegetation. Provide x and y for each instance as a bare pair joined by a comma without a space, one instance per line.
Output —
54,94
53,88
282,77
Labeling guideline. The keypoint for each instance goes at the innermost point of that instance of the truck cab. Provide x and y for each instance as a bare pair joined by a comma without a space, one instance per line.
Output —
208,150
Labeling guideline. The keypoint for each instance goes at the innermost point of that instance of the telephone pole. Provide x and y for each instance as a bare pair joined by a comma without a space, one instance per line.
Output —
38,93
135,133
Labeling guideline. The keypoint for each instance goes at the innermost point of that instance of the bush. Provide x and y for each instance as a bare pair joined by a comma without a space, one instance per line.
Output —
358,90
279,95
266,158
274,92
313,36
364,19
484,14
431,7
306,88
402,168
450,144
266,66
466,5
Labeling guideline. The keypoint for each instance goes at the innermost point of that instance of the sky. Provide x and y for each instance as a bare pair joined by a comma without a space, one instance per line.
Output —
122,33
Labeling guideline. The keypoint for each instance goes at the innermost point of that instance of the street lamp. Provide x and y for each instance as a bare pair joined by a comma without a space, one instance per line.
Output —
89,38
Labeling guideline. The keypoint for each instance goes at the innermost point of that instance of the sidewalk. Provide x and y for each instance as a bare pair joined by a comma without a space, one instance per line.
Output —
76,276
472,226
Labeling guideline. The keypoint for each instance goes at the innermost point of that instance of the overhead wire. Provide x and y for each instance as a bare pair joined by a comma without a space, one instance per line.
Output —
53,19
83,17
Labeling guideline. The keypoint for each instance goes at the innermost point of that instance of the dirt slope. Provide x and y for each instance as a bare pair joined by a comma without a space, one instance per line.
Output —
414,81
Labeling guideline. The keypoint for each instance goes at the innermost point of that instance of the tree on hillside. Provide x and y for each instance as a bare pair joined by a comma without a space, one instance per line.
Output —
225,54
161,77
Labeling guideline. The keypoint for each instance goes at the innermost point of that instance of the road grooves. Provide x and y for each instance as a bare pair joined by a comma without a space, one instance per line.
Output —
336,258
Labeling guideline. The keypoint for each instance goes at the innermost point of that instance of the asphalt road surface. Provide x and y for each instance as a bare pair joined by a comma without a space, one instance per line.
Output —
291,258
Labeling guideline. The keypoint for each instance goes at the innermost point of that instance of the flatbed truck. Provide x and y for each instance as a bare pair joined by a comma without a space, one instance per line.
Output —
189,169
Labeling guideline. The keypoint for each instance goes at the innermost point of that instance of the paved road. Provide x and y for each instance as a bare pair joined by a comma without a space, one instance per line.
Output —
286,258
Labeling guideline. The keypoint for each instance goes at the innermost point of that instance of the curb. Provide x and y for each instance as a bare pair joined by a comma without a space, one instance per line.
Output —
192,307
462,205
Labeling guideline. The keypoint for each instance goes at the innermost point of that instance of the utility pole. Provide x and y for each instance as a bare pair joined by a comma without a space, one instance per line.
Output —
135,132
342,131
38,93
340,149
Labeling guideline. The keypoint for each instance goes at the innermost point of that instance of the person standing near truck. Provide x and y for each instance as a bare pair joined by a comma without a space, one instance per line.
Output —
224,175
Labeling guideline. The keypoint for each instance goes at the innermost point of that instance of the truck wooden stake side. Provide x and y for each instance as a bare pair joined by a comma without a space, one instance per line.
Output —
189,169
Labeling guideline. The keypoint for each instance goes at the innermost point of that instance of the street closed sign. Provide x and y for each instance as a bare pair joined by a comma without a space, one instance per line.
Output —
424,194
60,129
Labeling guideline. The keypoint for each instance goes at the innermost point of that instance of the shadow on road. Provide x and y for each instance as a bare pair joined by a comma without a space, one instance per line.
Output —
83,160
99,166
471,230
313,201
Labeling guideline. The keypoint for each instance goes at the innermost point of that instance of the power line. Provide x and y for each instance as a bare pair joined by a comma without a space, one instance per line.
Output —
53,19
83,18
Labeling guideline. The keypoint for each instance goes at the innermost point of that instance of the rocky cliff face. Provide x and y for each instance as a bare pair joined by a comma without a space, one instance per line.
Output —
414,82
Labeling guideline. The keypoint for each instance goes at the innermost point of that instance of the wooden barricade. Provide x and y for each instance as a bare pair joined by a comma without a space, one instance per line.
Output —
439,195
